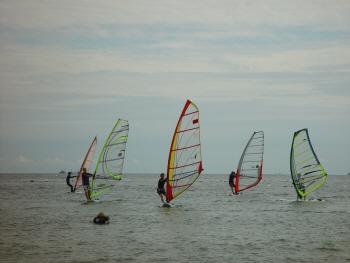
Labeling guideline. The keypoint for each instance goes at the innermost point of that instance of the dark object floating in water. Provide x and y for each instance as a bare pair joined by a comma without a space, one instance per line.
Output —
101,218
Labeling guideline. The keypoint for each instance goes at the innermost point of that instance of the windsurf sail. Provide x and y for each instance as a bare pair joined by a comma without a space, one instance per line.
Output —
305,168
109,166
185,158
86,163
250,165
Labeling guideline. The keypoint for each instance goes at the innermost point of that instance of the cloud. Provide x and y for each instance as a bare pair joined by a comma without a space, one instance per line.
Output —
233,14
67,73
52,161
22,159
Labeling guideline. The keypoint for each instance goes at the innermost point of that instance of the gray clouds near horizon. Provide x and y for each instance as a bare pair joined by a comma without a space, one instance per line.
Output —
70,69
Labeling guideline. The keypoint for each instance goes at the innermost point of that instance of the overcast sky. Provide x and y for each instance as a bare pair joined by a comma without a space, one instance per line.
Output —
70,69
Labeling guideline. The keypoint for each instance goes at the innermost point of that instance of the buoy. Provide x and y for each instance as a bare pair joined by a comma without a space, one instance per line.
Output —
32,180
24,180
291,186
46,180
284,186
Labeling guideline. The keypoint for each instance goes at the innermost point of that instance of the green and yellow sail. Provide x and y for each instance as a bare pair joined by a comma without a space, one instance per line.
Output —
109,166
306,170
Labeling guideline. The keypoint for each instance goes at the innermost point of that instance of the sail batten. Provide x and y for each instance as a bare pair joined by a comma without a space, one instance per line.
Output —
185,160
109,167
304,164
187,130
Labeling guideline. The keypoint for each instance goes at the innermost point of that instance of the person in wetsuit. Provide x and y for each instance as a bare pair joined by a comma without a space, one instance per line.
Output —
101,218
68,181
160,189
233,175
85,179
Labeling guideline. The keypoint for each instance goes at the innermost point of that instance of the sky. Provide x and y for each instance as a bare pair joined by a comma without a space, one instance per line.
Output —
71,69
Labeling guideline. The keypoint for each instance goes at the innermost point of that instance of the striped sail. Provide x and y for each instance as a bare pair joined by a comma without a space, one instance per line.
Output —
249,169
110,163
86,163
185,158
306,170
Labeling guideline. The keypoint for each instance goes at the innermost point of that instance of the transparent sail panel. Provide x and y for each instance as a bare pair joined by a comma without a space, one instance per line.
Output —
249,169
110,165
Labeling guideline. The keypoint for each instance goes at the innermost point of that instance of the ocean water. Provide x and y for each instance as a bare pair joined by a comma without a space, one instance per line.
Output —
42,222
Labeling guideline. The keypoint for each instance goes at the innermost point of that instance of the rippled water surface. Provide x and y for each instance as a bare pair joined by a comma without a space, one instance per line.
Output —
41,221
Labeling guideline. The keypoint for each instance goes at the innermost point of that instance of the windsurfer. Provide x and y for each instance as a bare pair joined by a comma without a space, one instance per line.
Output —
68,181
160,189
85,178
233,175
301,187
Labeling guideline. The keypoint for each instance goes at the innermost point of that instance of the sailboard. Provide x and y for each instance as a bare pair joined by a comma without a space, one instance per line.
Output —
306,200
249,170
185,158
305,168
109,166
86,163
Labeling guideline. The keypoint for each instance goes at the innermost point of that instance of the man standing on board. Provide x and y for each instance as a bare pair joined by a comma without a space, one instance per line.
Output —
68,181
160,189
85,178
233,175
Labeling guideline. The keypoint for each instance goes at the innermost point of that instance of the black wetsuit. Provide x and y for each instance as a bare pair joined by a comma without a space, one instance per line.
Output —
231,179
160,189
68,182
101,220
85,178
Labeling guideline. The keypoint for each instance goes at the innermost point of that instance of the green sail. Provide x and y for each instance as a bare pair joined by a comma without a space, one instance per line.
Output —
109,166
306,170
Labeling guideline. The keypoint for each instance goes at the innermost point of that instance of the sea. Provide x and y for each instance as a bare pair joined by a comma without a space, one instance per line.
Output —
41,221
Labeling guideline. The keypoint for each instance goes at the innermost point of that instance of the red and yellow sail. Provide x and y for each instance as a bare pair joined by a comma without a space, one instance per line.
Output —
185,158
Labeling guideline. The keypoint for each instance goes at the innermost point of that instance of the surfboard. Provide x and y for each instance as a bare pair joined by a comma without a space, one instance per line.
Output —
307,200
168,205
235,194
90,201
